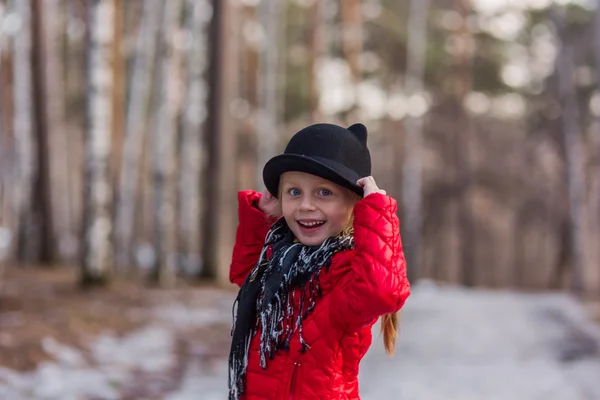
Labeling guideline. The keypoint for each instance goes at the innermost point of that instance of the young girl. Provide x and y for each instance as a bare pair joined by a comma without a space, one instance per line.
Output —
319,259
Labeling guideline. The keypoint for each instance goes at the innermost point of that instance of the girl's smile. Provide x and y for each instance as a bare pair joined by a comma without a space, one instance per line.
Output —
310,227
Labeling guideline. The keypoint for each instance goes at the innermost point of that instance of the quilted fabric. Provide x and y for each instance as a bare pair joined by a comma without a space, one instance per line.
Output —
360,286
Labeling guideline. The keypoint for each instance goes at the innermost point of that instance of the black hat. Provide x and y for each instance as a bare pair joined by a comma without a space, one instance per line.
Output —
329,151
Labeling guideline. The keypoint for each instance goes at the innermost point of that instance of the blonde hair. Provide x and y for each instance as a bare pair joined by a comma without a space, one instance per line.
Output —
389,328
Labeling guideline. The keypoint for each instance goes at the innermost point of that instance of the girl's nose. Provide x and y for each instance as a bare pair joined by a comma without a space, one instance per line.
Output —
307,203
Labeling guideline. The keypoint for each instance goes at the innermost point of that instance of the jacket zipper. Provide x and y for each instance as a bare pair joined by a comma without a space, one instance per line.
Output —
293,381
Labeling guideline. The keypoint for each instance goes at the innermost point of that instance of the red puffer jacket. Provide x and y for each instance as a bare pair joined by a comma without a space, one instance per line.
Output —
361,285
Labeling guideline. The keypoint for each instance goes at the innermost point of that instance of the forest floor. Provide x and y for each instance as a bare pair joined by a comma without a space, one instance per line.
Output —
126,342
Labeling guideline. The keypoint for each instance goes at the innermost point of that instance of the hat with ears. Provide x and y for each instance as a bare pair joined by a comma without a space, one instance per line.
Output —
329,151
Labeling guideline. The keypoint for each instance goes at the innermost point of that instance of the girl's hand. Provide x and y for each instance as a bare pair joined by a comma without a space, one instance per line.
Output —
269,204
369,186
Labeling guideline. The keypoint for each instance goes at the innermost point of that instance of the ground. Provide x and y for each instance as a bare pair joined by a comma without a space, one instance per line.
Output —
133,342
45,317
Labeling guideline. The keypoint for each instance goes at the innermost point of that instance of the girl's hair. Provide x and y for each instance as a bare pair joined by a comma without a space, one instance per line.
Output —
389,328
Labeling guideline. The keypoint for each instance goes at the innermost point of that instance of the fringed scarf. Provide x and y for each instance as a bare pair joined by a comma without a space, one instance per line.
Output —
267,301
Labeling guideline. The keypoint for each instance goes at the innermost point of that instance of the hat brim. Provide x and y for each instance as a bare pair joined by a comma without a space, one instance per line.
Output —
326,169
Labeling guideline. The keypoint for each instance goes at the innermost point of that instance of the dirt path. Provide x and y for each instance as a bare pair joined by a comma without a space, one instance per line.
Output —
153,344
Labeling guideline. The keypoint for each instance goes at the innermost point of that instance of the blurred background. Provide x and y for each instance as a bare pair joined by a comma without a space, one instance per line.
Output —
127,127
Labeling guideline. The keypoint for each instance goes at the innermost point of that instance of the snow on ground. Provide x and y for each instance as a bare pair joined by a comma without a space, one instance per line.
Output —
454,344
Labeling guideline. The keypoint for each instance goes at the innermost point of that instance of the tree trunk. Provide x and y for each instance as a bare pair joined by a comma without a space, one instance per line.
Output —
352,44
5,167
413,145
119,92
98,250
267,89
595,193
54,31
595,206
462,86
6,232
23,131
165,131
317,43
74,79
135,130
574,152
220,180
193,148
42,201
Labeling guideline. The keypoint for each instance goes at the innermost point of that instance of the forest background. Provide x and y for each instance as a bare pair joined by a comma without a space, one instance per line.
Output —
127,127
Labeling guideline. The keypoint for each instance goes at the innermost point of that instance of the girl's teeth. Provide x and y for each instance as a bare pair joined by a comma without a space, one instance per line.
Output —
311,224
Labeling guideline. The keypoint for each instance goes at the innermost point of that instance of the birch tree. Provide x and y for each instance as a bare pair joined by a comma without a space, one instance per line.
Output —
23,116
165,131
98,249
413,126
267,87
571,132
193,151
135,129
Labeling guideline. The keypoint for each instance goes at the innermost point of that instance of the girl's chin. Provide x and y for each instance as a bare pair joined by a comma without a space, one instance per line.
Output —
311,241
313,238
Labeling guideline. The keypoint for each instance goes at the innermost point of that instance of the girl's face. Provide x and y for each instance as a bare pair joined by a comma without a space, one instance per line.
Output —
315,208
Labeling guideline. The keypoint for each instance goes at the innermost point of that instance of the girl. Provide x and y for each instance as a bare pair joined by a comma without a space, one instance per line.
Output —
318,265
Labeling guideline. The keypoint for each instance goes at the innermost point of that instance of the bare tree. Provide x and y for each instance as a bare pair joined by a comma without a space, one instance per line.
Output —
595,199
141,78
220,179
352,43
5,165
98,249
53,33
165,156
462,85
413,142
42,209
595,192
193,149
573,149
119,89
5,174
23,129
267,87
317,43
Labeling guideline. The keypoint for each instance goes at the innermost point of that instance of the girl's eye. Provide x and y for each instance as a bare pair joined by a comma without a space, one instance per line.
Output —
294,192
324,192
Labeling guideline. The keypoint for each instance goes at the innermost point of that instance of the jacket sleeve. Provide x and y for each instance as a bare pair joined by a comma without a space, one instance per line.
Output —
377,282
252,229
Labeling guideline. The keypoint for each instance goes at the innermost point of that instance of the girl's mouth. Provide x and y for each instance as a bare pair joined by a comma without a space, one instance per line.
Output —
310,225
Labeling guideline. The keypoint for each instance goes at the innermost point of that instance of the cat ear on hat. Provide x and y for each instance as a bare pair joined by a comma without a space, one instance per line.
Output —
360,131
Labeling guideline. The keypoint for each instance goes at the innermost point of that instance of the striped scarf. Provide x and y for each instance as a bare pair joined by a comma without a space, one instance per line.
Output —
267,301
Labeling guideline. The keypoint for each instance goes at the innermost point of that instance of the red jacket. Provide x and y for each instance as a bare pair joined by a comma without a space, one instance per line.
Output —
360,286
